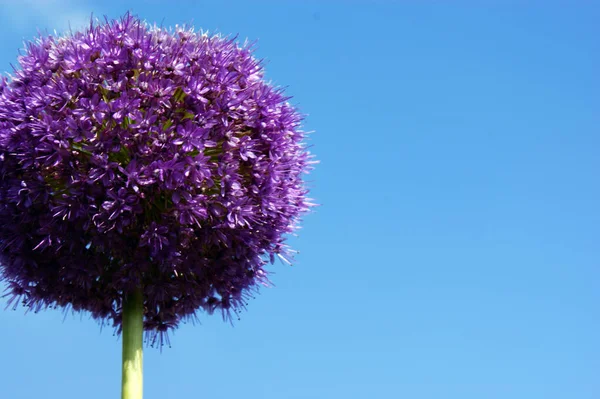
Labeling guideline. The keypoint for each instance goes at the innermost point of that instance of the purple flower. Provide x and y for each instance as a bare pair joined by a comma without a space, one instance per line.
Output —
136,156
155,237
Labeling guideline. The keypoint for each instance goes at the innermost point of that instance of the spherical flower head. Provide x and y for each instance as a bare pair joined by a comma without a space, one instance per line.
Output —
134,156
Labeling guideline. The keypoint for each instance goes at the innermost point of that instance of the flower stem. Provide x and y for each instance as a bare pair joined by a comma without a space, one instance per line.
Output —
133,327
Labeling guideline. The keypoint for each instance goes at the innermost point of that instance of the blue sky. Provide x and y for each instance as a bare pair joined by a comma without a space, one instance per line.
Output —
456,254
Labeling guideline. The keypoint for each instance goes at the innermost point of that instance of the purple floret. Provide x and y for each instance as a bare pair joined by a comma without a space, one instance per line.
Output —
136,156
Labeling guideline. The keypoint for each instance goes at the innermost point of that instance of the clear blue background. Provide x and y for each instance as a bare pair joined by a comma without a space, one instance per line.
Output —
456,254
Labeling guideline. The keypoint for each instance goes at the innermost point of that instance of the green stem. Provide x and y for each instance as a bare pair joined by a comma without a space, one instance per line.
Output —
133,327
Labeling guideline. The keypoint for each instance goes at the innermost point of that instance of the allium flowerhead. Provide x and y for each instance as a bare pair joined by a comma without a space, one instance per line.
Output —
134,156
